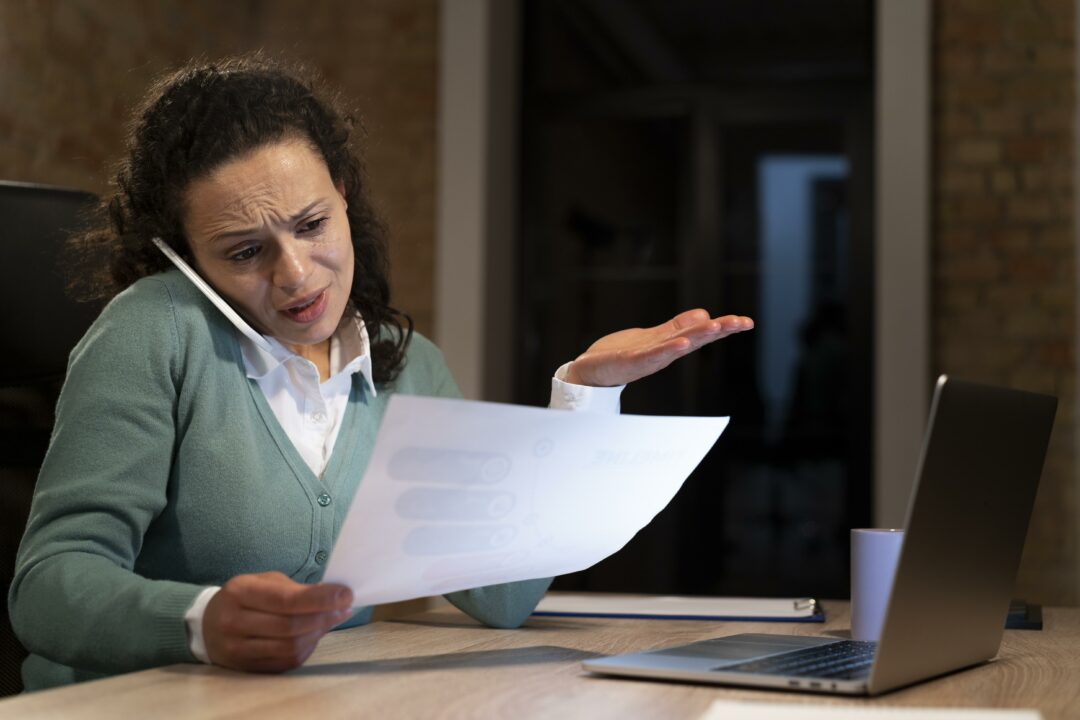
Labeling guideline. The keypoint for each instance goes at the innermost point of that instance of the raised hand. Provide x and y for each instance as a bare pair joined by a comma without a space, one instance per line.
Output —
268,623
629,355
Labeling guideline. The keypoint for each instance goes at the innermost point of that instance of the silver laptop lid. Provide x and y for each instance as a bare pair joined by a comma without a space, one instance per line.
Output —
974,491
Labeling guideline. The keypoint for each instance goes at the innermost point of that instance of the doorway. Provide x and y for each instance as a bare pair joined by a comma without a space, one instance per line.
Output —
686,154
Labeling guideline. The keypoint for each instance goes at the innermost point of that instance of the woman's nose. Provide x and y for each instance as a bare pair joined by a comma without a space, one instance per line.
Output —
292,266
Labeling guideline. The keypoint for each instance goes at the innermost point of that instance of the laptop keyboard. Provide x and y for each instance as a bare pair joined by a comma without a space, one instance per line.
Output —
843,660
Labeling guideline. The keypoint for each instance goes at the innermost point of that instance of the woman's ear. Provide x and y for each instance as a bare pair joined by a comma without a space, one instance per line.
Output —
340,185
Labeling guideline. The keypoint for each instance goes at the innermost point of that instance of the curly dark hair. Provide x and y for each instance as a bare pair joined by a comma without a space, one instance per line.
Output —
194,120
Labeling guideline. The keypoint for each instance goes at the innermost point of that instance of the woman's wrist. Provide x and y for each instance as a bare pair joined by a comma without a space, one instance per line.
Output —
193,619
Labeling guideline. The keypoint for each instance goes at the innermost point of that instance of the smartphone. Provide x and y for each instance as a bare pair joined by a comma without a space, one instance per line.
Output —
212,296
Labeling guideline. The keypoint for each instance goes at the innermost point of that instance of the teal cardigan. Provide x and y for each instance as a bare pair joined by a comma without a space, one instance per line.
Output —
168,472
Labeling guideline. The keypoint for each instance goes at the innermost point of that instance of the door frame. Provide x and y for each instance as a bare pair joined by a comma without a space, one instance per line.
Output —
475,249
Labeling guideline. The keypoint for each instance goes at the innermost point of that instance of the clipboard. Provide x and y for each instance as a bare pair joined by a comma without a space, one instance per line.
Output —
1024,616
680,607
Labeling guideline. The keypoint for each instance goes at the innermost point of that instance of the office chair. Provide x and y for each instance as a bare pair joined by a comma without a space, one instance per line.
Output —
39,325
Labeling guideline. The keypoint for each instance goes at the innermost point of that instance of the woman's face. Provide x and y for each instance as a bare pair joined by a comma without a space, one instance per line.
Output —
268,231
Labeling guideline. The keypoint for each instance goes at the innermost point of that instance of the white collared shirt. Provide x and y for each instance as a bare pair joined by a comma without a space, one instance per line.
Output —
310,411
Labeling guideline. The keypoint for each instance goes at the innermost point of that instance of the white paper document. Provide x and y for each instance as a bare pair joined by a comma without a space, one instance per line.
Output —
462,494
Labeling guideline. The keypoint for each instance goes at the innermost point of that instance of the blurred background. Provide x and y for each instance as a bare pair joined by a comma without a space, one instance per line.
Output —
887,188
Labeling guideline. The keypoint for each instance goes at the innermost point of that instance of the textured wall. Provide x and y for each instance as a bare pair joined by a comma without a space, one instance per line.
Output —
1004,288
70,70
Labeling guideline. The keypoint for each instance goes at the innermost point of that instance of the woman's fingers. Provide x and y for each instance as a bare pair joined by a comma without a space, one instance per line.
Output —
714,329
689,318
639,362
629,355
268,622
276,593
254,623
727,324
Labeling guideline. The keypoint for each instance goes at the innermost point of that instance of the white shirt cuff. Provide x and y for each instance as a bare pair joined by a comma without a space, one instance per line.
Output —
567,396
194,617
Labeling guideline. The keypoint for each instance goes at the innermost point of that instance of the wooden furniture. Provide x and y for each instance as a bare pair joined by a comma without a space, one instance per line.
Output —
442,664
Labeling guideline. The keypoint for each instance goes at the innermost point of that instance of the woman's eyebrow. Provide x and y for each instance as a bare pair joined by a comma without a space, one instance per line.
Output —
251,231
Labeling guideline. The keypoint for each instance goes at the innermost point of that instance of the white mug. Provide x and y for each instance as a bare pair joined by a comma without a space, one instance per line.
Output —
874,553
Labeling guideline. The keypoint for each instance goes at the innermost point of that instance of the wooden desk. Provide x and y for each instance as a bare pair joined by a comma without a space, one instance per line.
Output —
442,664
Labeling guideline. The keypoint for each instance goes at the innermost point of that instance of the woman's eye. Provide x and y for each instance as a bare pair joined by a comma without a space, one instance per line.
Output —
245,254
312,225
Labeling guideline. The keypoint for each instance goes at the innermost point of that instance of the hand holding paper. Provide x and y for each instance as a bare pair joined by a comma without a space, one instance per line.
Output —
463,494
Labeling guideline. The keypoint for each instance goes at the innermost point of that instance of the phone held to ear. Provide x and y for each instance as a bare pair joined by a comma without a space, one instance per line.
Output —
212,295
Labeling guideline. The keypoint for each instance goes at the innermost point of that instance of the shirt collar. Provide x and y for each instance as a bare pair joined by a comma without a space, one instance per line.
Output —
350,352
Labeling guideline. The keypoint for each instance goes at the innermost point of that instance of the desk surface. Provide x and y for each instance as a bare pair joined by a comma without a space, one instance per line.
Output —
441,663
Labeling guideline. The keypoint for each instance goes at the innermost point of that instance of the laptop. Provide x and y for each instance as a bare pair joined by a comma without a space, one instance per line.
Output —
966,524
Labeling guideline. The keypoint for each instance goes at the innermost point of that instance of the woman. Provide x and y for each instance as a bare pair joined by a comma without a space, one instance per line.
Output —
200,467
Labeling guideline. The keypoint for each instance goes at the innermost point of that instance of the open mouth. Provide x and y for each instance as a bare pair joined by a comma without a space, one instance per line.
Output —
308,311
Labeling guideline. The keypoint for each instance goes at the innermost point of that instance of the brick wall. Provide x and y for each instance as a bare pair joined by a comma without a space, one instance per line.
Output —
1003,304
70,70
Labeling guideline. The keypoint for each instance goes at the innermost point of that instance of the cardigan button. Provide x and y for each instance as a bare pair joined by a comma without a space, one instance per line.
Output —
323,499
320,557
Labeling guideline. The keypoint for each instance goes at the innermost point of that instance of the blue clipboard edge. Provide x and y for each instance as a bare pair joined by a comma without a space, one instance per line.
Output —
819,616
